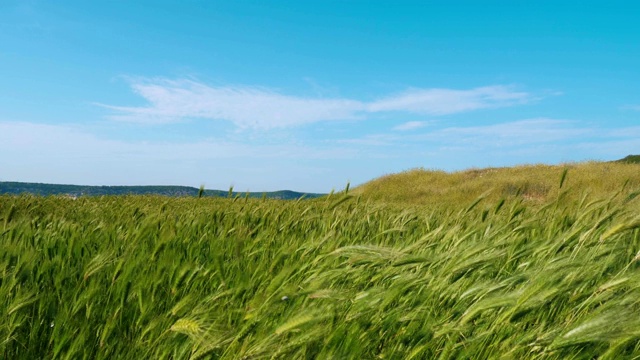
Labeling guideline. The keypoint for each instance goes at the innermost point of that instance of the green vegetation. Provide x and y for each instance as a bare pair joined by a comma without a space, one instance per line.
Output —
630,159
340,277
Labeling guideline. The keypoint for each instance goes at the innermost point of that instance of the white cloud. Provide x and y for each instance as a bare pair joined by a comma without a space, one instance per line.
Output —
71,143
410,125
448,101
538,130
246,107
261,108
631,131
507,136
371,140
631,107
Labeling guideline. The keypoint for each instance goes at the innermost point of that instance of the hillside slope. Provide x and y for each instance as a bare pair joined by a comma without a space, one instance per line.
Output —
535,183
630,159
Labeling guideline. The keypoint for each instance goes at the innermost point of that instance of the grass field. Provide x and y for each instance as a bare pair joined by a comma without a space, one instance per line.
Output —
350,276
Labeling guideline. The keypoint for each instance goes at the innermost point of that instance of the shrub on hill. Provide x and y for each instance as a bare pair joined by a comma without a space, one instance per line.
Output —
630,159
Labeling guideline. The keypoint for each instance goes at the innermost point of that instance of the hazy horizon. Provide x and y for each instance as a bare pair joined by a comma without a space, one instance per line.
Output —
307,96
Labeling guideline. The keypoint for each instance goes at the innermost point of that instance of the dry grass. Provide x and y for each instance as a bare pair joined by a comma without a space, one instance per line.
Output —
534,183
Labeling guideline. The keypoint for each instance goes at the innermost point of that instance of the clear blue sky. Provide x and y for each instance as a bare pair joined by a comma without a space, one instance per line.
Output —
307,95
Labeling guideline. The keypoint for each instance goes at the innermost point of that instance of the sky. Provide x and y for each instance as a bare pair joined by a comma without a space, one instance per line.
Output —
310,95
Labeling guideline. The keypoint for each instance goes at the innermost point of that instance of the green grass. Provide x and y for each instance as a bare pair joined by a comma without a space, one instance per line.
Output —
343,277
630,159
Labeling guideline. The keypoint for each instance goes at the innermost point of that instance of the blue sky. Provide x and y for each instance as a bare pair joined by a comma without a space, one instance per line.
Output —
308,95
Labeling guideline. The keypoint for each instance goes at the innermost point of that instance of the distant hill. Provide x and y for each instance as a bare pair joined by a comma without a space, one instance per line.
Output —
630,159
532,183
82,190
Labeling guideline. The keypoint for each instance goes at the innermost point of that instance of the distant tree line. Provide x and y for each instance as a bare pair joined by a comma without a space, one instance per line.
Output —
82,190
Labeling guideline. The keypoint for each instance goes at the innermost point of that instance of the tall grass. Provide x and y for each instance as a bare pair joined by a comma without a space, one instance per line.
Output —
339,277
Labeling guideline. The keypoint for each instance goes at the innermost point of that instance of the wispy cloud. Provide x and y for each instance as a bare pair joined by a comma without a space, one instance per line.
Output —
263,108
501,144
72,142
500,135
246,107
371,140
631,107
448,101
410,125
528,131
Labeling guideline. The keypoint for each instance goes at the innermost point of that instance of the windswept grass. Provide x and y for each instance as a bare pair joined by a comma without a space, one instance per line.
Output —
333,278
